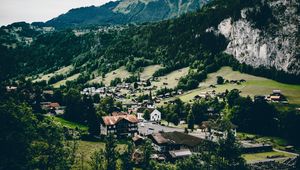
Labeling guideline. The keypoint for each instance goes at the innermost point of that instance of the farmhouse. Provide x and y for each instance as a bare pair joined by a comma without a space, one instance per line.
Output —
167,141
155,115
120,124
175,145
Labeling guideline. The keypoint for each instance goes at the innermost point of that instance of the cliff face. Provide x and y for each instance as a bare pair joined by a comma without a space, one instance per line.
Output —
266,35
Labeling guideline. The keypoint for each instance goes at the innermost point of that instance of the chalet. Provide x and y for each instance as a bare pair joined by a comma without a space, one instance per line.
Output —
275,98
119,124
155,115
175,144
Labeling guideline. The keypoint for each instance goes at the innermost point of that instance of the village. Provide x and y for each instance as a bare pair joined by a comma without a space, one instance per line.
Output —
140,119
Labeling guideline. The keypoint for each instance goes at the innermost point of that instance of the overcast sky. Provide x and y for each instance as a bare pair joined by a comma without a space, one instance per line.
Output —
39,10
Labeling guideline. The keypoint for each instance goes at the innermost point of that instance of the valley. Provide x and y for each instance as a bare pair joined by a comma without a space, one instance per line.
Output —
153,84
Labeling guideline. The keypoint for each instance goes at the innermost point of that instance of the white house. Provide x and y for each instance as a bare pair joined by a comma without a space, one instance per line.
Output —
155,115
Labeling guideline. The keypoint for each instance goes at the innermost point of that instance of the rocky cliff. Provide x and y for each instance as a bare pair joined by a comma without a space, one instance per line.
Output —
266,35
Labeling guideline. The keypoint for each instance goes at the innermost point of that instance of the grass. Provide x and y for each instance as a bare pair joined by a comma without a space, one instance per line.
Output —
68,124
149,71
253,86
172,78
46,77
276,142
86,149
63,82
84,152
120,72
265,155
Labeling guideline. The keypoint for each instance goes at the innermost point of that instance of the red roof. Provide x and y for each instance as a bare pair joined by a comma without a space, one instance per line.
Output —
54,105
112,120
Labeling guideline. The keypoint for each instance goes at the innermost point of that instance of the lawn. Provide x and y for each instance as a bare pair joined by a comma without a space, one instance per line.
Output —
86,149
253,157
68,124
253,86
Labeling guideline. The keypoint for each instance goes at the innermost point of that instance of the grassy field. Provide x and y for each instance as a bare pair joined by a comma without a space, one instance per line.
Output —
46,77
172,78
120,72
149,71
68,124
63,82
253,86
253,157
86,149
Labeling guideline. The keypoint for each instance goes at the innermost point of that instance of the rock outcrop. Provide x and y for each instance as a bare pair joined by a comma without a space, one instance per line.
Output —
270,44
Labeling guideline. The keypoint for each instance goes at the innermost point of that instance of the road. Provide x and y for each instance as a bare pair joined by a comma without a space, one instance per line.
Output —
147,128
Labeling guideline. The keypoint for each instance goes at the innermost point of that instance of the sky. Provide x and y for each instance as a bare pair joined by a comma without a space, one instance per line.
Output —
39,10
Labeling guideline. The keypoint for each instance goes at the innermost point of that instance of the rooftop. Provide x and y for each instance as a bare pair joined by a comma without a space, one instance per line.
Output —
112,120
176,138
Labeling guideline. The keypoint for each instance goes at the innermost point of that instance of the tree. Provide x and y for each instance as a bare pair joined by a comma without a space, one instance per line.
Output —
98,161
126,157
74,108
28,142
198,109
93,120
116,81
146,114
229,153
220,80
190,121
106,106
232,96
110,152
135,85
147,150
148,82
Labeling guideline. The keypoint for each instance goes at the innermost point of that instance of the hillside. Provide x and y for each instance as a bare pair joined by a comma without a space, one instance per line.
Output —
126,11
254,85
190,40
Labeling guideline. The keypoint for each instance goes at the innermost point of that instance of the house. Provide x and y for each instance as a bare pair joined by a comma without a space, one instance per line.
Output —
119,125
11,88
155,115
138,140
164,142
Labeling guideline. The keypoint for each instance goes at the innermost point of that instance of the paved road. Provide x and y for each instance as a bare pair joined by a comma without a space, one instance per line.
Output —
147,128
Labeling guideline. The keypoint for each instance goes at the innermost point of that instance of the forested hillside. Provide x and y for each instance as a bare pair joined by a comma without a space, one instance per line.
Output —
126,11
174,43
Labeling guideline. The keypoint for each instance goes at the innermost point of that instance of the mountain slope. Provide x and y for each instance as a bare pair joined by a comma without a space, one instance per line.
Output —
126,11
196,39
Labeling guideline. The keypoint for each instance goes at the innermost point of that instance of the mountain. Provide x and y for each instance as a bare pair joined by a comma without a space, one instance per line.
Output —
267,34
252,36
126,11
